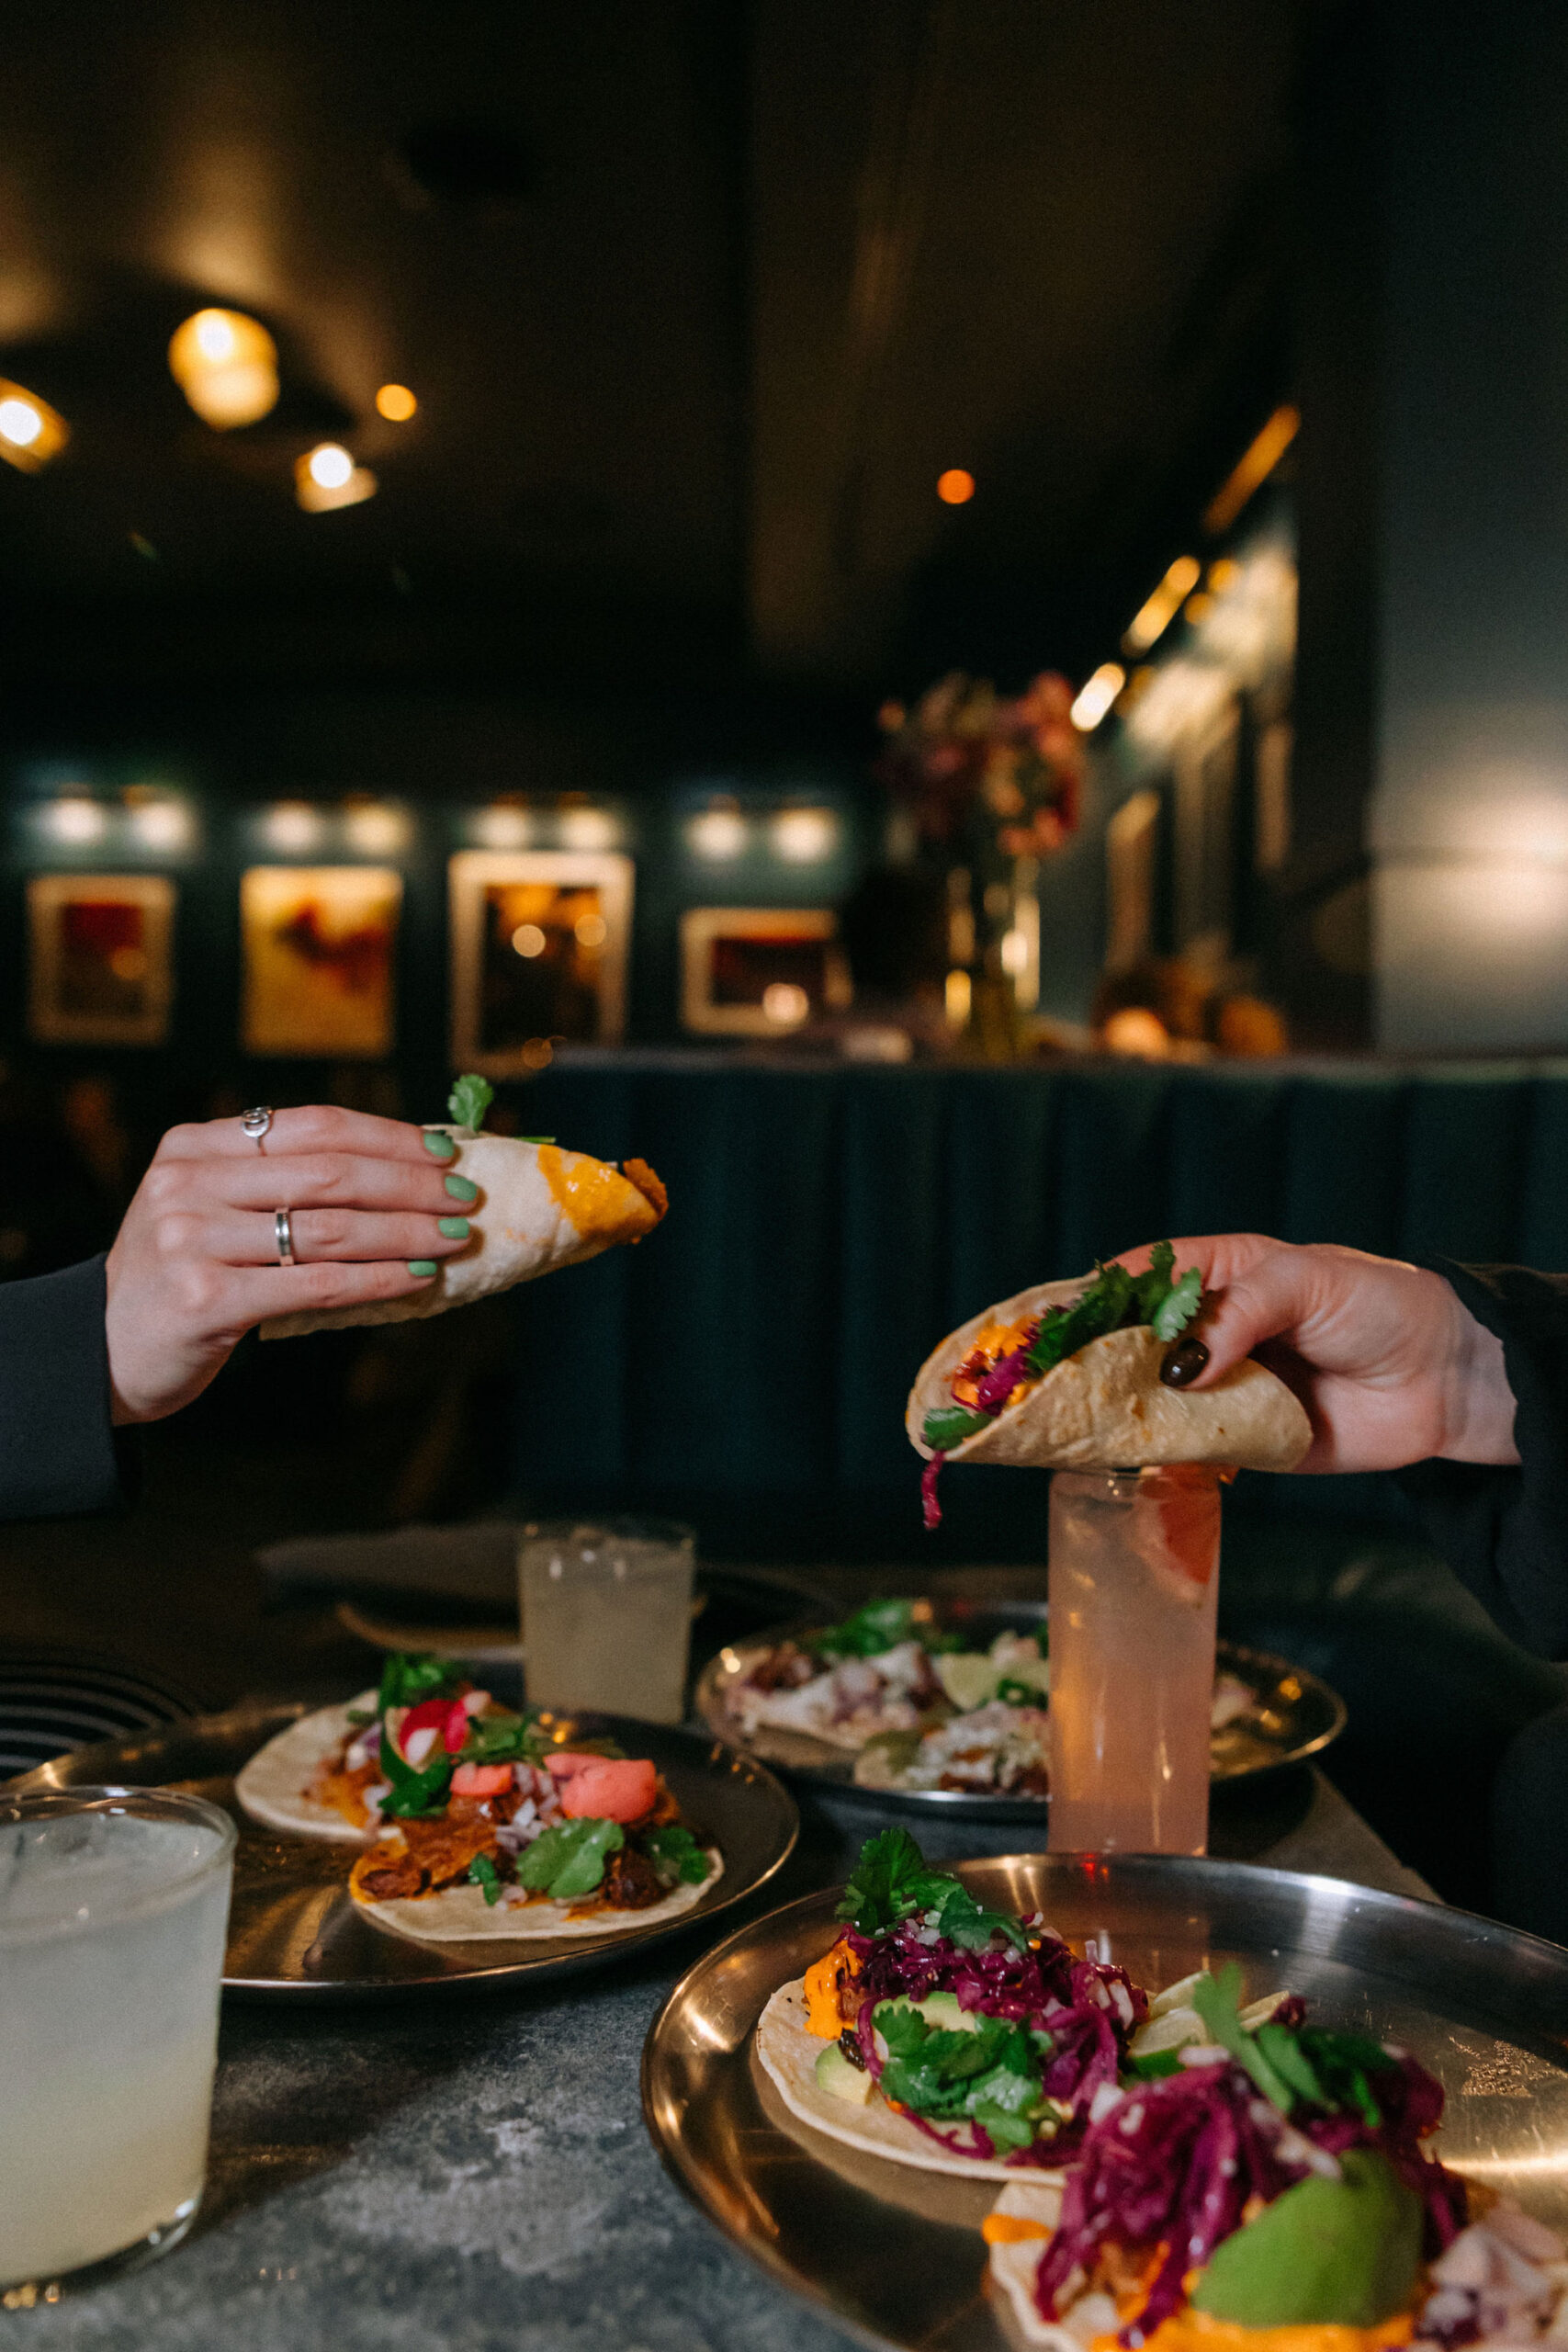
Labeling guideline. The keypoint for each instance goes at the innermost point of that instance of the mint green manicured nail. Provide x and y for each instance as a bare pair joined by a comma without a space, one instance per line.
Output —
461,1190
441,1147
452,1228
422,1267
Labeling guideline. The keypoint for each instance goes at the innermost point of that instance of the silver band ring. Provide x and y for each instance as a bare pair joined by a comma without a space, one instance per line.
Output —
255,1124
283,1234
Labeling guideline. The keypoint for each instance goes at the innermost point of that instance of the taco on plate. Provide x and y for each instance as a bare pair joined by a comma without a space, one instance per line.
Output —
1066,1376
950,2036
539,1207
1268,2190
473,1821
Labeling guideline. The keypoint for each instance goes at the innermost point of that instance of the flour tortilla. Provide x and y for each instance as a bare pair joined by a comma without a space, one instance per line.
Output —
1106,1408
460,1915
539,1207
789,2054
1013,2268
272,1785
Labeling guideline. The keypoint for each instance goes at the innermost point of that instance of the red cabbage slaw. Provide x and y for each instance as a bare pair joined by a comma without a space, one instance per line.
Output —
1089,2009
990,1394
1171,2167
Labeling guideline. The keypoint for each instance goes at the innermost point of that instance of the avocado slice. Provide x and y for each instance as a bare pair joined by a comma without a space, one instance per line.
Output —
840,2079
940,2010
1337,2252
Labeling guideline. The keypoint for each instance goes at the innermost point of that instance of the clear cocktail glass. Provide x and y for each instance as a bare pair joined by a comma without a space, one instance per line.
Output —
113,1905
607,1615
1133,1584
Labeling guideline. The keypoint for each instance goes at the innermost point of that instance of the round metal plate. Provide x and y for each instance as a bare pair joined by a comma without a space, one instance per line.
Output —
1297,1717
895,2255
292,1930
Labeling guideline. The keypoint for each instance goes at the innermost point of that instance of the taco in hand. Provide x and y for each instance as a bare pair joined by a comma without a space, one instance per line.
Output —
1066,1376
539,1207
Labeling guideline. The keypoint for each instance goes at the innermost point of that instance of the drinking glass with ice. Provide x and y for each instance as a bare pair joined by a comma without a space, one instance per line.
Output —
113,1905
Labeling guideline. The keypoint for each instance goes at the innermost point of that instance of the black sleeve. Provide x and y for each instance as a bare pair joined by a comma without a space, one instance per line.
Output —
57,1449
1506,1531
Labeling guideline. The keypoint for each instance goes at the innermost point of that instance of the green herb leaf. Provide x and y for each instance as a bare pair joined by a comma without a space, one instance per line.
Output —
569,1859
949,1425
503,1738
414,1795
1217,2000
469,1100
892,1882
1180,1304
481,1872
990,2069
879,1626
1018,1694
1154,2067
675,1855
410,1676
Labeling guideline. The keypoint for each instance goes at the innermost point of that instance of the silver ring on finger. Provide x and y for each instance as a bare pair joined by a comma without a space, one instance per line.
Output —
283,1234
255,1124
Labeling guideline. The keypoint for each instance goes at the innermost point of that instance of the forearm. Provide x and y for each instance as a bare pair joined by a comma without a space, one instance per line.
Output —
57,1449
1505,1530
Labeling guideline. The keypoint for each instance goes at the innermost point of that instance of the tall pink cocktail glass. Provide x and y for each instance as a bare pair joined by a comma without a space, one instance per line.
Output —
1133,1583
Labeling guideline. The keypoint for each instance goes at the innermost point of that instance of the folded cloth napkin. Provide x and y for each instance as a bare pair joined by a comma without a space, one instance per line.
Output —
474,1565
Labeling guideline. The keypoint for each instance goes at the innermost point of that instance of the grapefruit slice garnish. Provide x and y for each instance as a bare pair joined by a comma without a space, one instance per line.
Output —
1176,1527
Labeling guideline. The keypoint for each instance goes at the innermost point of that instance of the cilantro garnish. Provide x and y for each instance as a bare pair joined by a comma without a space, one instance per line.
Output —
410,1676
989,2073
891,1881
414,1795
1292,2063
1114,1301
470,1097
677,1858
503,1738
481,1872
569,1859
881,1625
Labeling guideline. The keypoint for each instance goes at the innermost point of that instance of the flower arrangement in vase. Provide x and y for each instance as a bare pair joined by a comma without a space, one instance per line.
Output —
991,786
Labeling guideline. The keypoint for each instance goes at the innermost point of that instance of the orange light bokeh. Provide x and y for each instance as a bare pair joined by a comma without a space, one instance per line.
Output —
396,403
955,488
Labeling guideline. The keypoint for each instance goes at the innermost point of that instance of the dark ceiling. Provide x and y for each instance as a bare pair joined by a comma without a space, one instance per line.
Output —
698,300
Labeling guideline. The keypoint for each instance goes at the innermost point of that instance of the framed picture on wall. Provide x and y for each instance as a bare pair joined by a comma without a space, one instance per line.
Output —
319,946
100,958
760,971
539,945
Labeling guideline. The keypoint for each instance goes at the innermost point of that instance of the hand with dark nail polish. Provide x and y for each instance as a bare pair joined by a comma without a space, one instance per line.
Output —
1183,1362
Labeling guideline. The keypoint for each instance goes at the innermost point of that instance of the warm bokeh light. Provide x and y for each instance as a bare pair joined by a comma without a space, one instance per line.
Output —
502,827
718,833
396,403
958,995
226,364
1252,468
30,431
161,825
330,466
374,827
529,940
804,836
1155,616
1138,1033
1096,695
326,477
292,825
75,820
785,1004
592,930
588,828
955,488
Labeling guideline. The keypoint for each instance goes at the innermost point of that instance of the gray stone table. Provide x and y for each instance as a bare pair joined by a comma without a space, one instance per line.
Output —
475,2176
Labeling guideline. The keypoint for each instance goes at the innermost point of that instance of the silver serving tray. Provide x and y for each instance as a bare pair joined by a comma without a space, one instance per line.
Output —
292,1930
1296,1717
895,2256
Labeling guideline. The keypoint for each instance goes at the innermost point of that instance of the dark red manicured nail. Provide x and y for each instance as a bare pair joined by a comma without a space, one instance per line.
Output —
1183,1362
